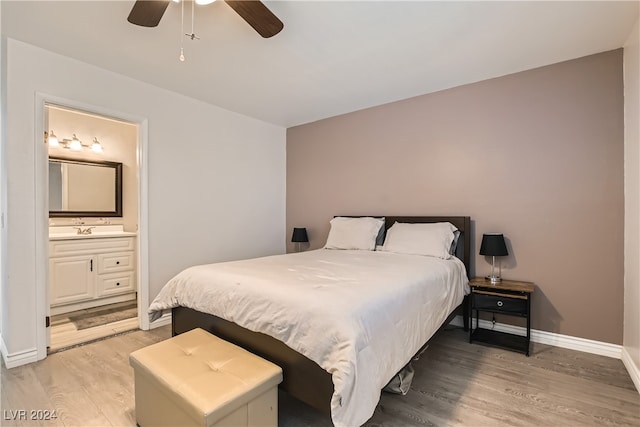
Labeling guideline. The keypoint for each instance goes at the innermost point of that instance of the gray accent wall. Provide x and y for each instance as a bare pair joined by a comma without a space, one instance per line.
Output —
537,156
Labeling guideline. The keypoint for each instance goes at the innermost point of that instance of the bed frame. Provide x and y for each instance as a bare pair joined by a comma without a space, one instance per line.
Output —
303,378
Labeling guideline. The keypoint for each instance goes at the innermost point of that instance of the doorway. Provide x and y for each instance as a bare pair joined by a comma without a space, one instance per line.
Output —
93,264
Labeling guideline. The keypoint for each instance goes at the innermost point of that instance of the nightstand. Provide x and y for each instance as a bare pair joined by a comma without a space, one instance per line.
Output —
508,297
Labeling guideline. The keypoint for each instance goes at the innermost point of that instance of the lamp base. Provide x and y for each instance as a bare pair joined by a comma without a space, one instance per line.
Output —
494,279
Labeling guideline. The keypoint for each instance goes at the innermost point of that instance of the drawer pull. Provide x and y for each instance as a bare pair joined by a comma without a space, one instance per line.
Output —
117,283
117,262
500,303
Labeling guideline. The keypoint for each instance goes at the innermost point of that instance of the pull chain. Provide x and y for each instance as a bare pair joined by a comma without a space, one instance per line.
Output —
181,33
192,35
193,16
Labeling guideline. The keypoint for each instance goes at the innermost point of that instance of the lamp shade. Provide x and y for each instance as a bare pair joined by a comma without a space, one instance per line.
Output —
299,235
493,245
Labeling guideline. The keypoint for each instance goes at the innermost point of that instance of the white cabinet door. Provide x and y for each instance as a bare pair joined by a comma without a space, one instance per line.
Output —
72,279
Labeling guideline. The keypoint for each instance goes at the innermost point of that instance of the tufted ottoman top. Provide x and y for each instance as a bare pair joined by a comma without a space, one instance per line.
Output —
204,374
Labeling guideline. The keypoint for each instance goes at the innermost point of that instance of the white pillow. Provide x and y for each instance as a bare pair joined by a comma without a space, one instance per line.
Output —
353,233
431,239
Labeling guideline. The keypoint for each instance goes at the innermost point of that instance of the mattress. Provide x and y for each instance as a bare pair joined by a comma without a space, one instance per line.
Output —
360,315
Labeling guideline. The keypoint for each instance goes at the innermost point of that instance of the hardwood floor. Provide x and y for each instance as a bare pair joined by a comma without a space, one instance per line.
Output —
455,384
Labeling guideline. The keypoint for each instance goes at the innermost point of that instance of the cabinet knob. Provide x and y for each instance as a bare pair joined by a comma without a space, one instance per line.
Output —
117,283
117,262
500,303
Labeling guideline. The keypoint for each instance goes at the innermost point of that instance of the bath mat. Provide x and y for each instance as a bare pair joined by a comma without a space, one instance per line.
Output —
102,317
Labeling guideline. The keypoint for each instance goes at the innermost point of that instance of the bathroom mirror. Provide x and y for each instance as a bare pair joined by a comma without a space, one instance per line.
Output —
84,188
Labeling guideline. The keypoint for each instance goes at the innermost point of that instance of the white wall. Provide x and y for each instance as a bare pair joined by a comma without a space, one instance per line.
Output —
216,179
3,192
631,333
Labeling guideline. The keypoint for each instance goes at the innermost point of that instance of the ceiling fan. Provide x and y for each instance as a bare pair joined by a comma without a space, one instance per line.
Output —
147,13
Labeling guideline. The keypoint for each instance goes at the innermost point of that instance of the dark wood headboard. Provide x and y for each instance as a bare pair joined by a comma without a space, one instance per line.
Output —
462,223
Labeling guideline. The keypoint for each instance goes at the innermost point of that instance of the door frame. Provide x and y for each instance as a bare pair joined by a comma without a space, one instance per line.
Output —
42,210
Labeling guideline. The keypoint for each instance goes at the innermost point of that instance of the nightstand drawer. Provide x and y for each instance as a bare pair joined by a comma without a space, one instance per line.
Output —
499,303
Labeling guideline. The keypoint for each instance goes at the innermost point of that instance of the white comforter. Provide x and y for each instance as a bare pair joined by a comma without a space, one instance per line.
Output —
360,315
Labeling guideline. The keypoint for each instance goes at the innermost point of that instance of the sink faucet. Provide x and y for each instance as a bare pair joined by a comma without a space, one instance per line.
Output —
85,230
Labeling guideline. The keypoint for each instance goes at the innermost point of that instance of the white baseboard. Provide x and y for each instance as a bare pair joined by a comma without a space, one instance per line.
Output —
17,359
576,343
556,340
632,368
164,320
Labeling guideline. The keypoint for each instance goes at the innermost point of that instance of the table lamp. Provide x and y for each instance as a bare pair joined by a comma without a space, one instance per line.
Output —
299,236
493,245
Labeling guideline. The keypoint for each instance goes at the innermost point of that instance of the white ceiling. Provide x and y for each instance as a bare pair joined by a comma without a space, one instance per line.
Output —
332,57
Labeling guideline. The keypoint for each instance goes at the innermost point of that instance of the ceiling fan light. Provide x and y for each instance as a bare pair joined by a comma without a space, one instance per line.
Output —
204,2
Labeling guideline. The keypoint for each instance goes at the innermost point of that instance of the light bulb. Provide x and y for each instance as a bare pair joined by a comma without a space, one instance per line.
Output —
53,140
75,143
96,147
203,2
181,55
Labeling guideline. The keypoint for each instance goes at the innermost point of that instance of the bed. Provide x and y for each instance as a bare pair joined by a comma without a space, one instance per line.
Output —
352,357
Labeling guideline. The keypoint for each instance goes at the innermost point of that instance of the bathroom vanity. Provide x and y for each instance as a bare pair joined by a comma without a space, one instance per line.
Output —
90,268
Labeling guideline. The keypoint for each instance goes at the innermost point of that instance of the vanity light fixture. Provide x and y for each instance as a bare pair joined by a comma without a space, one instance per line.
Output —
72,144
53,140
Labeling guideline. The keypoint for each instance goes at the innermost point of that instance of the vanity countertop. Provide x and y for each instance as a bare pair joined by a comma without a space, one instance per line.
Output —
97,232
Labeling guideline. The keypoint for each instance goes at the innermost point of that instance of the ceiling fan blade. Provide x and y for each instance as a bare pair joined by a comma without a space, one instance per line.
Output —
147,13
258,16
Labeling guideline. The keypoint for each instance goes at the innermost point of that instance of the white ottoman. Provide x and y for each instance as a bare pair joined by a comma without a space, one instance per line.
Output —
198,379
